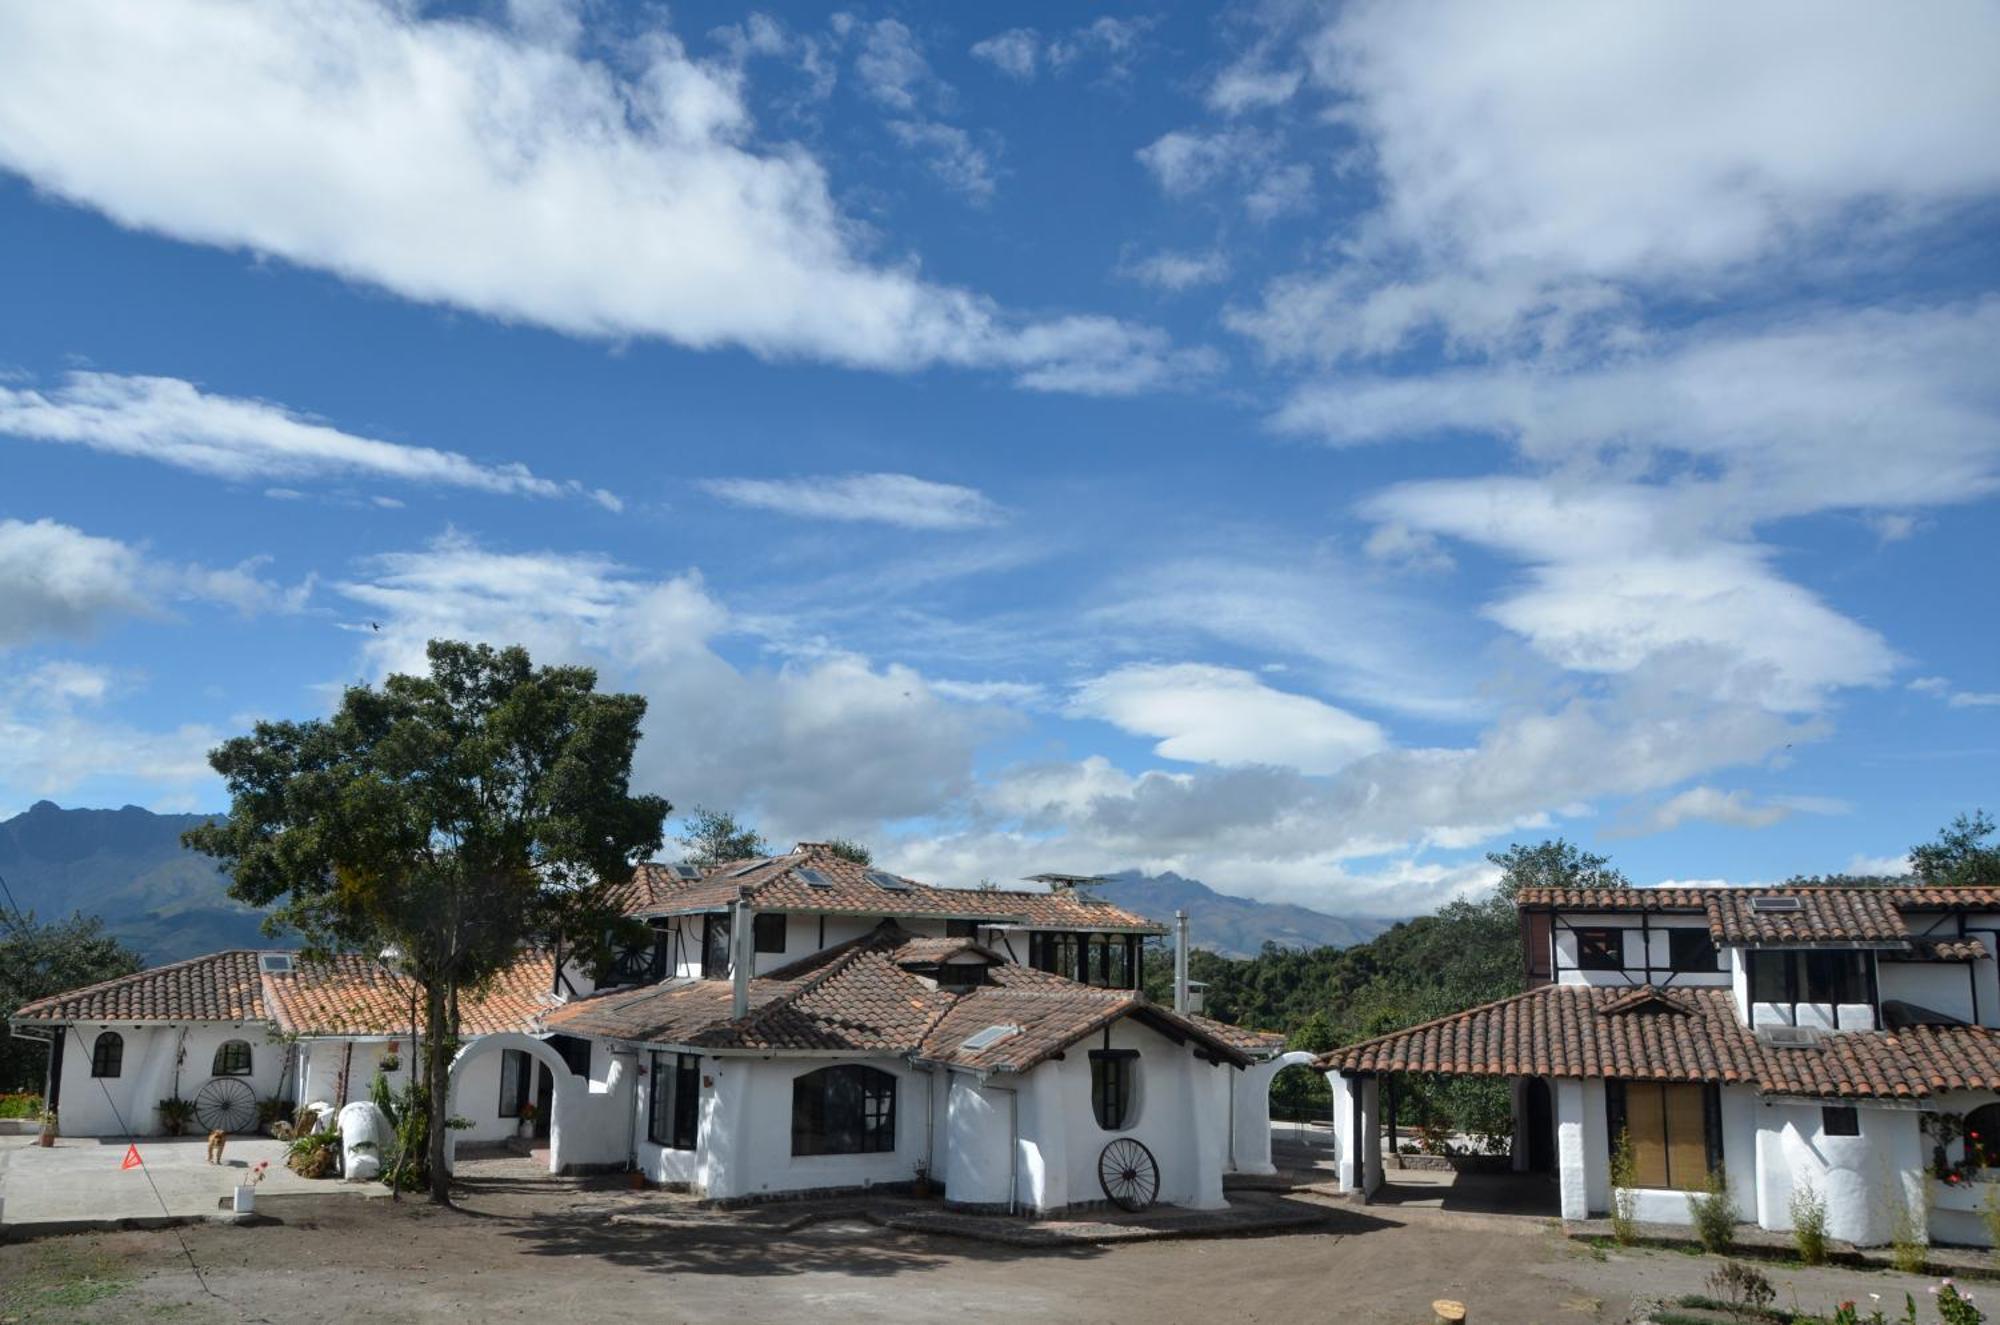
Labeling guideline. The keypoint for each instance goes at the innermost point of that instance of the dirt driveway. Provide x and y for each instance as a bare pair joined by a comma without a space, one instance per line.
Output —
536,1255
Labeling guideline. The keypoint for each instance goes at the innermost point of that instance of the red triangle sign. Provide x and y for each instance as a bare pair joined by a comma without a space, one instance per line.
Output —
132,1160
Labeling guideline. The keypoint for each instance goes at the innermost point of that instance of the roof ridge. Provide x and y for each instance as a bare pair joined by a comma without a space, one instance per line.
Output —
857,948
1386,1036
67,994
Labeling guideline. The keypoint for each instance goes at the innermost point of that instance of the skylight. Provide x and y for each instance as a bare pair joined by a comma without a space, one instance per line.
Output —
1776,904
812,877
685,872
746,869
275,963
989,1037
888,882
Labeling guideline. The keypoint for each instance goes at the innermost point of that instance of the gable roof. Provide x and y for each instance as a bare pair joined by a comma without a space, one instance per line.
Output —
348,994
1562,1031
775,883
857,997
1825,913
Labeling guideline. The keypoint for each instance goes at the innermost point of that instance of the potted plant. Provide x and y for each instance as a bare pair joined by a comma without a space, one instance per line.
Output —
274,1113
48,1136
246,1191
526,1128
175,1114
392,1057
921,1187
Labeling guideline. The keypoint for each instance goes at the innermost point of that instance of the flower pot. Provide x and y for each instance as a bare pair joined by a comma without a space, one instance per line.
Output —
246,1200
45,1139
525,1129
636,1180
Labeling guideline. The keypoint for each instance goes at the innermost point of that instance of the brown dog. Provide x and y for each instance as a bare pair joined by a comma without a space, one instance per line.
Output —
216,1140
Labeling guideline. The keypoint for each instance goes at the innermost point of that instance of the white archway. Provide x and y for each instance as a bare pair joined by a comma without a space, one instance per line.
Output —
536,1049
1250,1127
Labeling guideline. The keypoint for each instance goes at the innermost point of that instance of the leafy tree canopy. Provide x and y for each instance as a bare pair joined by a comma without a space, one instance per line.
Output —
37,960
1960,855
713,836
849,849
454,815
1553,864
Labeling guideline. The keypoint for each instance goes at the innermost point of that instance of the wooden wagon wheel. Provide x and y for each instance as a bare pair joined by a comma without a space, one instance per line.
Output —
226,1104
1128,1174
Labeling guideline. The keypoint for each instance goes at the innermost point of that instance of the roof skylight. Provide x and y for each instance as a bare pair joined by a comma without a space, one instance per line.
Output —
275,963
989,1037
1776,904
812,878
888,882
686,872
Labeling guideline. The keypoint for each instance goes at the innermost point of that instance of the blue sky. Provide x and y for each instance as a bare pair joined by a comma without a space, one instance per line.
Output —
1302,446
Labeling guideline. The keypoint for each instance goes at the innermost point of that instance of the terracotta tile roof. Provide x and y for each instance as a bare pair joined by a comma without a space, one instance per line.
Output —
1941,950
223,986
1575,1031
1824,915
858,998
775,884
346,995
356,995
1257,1044
1906,897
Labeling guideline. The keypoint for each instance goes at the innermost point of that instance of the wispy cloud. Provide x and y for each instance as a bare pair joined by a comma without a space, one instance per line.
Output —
1940,688
176,423
1177,271
897,499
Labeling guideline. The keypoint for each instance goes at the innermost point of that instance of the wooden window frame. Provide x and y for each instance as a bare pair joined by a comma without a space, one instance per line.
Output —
844,1109
1587,936
107,1055
1113,1076
1703,960
715,946
225,1061
1618,1096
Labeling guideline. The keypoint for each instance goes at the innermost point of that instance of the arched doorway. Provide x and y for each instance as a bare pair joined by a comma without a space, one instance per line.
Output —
1252,1120
547,1086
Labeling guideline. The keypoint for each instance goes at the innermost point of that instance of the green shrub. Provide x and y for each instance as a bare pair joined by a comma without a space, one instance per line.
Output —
1908,1250
314,1155
175,1114
1809,1223
21,1104
1714,1214
1624,1193
1954,1309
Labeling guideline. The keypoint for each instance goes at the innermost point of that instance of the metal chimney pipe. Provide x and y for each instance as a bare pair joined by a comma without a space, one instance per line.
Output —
1180,962
740,956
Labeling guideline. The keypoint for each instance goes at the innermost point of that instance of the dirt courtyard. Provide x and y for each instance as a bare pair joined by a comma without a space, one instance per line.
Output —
523,1254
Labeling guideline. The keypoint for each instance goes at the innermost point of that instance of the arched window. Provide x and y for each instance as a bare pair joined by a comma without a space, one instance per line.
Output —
1982,1136
846,1110
107,1056
1112,1073
232,1059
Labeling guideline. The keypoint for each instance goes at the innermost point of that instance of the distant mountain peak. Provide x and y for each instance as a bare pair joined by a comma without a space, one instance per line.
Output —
1233,926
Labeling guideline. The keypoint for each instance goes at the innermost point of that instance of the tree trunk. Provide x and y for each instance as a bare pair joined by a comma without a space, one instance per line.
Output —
437,1076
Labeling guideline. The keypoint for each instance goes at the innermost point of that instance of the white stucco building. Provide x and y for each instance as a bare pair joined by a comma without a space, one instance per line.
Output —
1837,1036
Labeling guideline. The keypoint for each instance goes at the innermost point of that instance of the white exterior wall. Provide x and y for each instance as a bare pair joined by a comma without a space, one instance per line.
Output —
747,1130
1357,1155
981,1121
159,1061
320,1063
1646,947
1860,1177
1248,1127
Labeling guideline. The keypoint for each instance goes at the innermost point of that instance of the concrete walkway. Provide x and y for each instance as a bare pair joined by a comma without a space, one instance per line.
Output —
77,1184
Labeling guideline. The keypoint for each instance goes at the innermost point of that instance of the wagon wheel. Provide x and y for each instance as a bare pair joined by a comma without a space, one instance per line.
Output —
226,1104
1128,1174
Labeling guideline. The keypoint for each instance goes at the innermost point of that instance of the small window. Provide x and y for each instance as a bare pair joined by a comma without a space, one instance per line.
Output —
674,1101
1691,951
1771,977
232,1059
275,963
846,1110
1840,1120
961,929
1111,1074
768,931
107,1055
515,1082
715,947
1600,949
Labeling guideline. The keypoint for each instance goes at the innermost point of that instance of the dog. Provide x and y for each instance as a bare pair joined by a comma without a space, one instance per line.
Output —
216,1140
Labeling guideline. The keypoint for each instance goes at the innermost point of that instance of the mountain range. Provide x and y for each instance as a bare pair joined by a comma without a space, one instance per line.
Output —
128,866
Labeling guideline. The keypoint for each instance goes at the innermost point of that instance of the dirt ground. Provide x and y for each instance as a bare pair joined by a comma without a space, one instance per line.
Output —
523,1254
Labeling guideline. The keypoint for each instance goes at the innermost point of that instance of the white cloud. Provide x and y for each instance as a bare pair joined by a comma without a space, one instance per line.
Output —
1219,715
951,155
1280,191
1889,867
1187,162
1526,167
1397,545
1015,52
892,66
176,423
54,740
1734,809
1251,84
1939,688
896,499
1175,271
460,164
58,582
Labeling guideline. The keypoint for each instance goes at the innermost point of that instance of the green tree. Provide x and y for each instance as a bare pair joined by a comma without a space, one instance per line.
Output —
1959,857
37,960
713,836
1553,864
849,849
455,815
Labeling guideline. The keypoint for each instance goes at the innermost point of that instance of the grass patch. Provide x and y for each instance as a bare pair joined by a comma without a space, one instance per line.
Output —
58,1280
21,1104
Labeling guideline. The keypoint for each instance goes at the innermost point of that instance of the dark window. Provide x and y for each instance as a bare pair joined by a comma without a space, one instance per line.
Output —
575,1053
232,1059
767,931
107,1055
961,929
674,1106
846,1110
1771,977
1982,1136
1691,950
1055,952
714,947
1836,977
1111,1072
1600,949
1840,1120
515,1088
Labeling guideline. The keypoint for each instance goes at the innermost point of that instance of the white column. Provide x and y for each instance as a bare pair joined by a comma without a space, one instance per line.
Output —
1572,1167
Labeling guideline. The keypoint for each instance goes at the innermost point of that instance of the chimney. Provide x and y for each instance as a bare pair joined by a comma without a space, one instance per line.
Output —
740,956
1180,962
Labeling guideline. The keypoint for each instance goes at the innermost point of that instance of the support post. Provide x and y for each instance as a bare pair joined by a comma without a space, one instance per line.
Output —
740,925
1181,962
